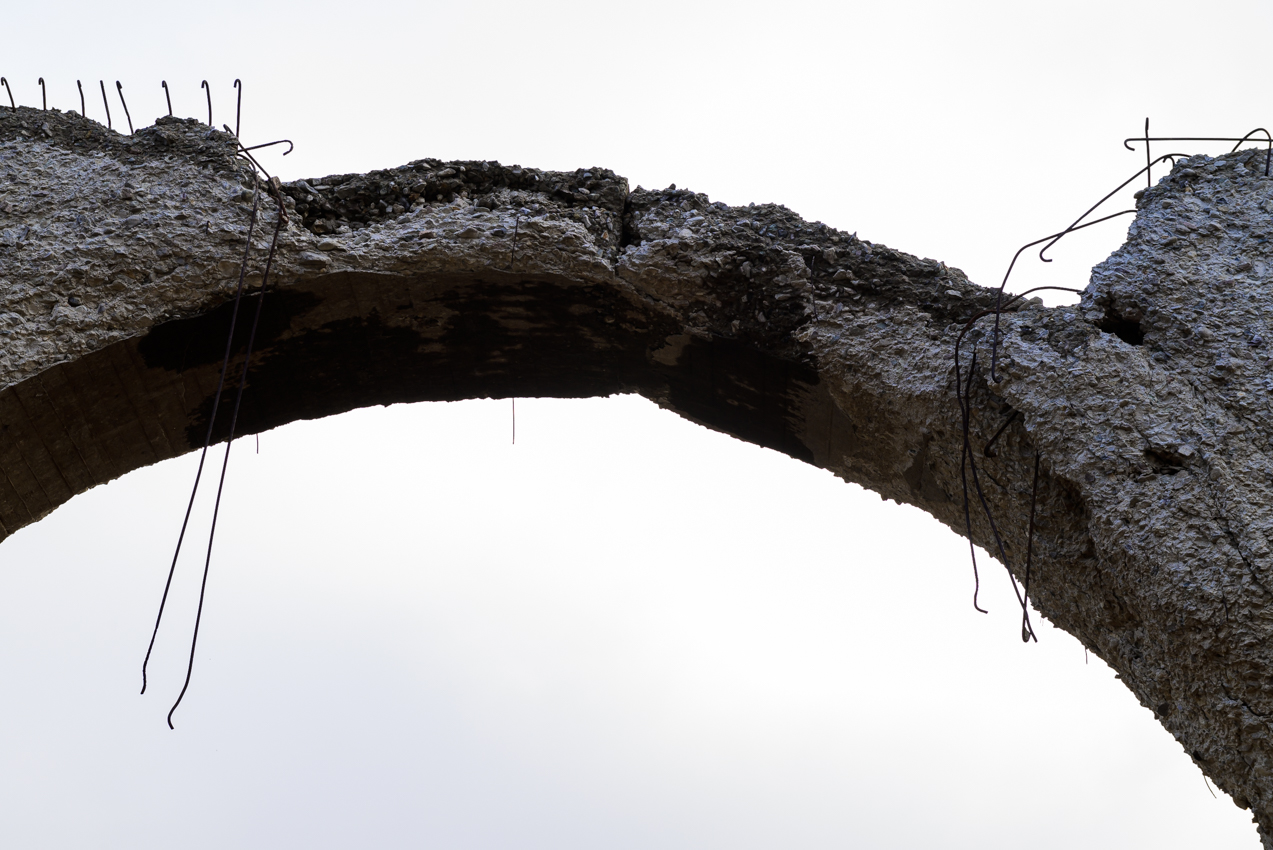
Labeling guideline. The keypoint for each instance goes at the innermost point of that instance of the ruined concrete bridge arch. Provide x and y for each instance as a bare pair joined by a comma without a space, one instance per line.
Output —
119,257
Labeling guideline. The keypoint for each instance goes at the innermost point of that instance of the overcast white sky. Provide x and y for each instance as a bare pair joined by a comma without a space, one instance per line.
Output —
625,631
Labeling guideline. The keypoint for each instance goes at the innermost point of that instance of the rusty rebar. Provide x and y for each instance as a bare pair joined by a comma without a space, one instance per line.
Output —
229,442
119,87
207,439
288,142
105,103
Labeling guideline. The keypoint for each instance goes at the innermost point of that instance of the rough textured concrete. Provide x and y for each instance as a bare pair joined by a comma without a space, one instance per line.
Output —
1148,404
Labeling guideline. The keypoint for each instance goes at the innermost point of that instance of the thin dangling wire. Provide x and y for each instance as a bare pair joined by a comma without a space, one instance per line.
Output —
225,462
968,462
207,440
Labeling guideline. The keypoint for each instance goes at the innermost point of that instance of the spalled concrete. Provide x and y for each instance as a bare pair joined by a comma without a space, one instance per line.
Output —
1147,405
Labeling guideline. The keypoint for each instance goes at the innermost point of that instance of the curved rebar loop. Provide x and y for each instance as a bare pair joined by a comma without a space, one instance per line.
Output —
44,96
1268,137
119,87
1268,154
204,85
5,83
234,419
238,109
102,83
207,440
167,96
1000,305
83,111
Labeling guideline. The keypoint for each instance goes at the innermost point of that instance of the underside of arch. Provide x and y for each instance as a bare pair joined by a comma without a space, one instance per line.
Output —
331,343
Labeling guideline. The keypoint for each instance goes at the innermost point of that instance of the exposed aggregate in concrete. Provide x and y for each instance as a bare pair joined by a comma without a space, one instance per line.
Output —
1148,403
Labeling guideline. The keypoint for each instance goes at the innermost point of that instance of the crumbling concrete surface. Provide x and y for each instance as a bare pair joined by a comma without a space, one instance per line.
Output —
1148,405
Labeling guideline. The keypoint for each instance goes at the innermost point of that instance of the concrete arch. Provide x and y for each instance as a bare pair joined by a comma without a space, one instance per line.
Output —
119,256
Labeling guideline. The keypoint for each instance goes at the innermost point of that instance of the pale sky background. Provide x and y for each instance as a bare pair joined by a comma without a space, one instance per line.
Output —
625,631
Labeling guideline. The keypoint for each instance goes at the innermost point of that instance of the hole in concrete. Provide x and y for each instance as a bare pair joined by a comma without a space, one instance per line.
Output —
1128,330
1164,462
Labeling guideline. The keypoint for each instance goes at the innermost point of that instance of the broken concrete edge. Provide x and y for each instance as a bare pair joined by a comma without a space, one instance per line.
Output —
873,326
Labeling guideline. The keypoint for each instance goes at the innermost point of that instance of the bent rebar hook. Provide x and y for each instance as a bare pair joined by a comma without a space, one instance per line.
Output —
1051,240
245,152
1268,155
167,96
204,85
238,109
120,88
290,146
5,83
1149,165
44,96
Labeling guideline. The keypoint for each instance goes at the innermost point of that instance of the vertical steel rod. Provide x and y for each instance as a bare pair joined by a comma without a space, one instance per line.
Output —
106,103
120,88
